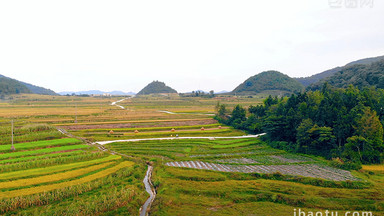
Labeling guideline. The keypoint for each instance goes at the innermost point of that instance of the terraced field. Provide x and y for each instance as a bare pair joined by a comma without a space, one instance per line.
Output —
44,172
239,155
306,170
228,176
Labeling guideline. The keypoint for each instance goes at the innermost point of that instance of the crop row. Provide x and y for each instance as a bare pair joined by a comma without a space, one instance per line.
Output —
306,170
45,188
39,144
47,197
186,133
239,152
53,177
234,145
58,168
152,128
42,151
118,121
30,164
267,159
6,139
42,157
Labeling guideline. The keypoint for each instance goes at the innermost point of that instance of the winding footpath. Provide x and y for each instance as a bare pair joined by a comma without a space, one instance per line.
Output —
116,102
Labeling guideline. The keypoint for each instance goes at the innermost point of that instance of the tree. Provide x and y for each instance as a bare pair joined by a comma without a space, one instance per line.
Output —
370,127
222,110
258,110
238,115
271,101
323,141
211,94
354,148
303,136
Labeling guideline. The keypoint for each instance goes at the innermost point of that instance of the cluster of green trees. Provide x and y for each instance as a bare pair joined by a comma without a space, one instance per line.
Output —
199,93
268,80
333,123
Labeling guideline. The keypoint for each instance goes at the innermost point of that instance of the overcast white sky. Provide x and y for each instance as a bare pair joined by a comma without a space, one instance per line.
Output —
208,44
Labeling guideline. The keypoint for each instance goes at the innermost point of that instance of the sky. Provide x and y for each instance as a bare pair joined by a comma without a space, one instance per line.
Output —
77,45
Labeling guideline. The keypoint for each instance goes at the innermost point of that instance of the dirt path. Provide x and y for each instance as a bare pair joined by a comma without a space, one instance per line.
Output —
116,102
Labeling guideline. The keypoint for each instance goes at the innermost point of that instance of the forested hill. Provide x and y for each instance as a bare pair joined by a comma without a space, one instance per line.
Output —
156,87
12,86
268,80
306,81
360,75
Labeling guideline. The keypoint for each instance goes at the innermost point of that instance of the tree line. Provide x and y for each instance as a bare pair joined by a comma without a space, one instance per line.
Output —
341,124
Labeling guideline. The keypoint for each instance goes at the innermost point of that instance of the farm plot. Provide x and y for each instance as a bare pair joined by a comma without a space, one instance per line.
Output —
241,160
230,155
306,170
155,132
38,173
184,149
40,144
28,133
275,159
42,165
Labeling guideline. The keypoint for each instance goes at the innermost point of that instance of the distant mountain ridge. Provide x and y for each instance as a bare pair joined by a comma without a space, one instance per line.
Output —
13,86
306,81
156,87
268,81
359,75
96,92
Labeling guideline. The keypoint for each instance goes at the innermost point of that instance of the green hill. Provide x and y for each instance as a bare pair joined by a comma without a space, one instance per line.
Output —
268,81
359,75
156,87
12,86
306,81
